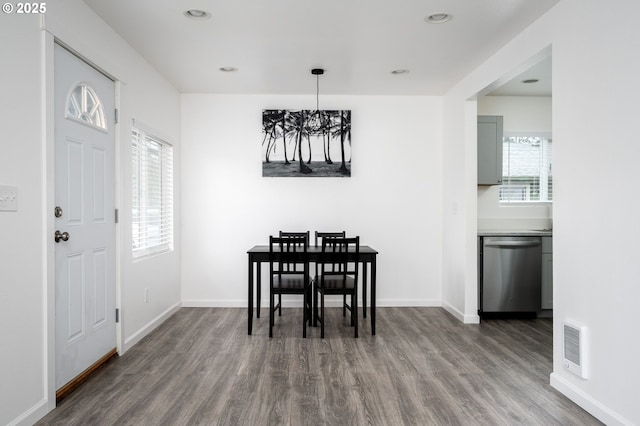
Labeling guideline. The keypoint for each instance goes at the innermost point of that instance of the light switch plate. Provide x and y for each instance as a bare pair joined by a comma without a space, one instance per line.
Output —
8,198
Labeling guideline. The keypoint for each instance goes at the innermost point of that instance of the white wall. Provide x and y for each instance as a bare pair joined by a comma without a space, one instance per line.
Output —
148,98
392,200
595,92
595,69
22,311
26,301
459,209
521,114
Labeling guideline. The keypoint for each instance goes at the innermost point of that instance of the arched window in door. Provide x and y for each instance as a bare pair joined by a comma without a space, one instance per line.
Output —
83,105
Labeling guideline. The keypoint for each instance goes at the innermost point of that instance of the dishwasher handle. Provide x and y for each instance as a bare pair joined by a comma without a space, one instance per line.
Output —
521,243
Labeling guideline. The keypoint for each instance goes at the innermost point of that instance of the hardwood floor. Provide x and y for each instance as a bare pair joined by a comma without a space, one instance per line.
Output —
422,368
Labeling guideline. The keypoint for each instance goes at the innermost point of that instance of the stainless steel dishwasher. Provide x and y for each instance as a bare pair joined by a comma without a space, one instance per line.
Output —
511,272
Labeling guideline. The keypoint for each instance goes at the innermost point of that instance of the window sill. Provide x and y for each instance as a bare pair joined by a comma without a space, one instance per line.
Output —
150,254
525,203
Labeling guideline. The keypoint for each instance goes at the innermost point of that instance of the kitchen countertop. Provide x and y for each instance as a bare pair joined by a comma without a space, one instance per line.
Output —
515,232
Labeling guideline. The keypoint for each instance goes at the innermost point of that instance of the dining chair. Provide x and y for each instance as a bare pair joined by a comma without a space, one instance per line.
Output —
338,274
289,274
319,236
288,234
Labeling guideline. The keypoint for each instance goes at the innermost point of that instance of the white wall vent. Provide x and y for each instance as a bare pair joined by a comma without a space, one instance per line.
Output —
574,345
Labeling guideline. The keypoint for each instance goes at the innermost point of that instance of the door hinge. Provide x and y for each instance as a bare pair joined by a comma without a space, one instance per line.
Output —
116,215
117,315
115,115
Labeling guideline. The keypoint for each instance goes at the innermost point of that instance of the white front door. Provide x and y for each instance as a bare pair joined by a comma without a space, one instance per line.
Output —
85,215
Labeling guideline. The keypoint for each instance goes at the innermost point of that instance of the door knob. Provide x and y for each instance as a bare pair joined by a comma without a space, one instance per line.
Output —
61,236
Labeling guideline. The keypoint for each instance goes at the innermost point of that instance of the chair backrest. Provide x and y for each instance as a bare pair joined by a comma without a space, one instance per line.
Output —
291,254
294,234
340,256
321,235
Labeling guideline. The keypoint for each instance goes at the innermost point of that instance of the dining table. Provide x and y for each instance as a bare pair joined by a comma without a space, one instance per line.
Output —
366,256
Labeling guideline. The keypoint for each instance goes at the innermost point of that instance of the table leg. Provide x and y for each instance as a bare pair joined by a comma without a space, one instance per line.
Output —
250,296
259,289
364,289
373,296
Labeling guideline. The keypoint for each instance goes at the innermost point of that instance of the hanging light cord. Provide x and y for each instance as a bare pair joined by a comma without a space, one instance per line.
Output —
317,92
317,72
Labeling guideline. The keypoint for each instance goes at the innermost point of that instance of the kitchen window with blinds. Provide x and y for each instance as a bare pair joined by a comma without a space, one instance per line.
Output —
152,204
526,168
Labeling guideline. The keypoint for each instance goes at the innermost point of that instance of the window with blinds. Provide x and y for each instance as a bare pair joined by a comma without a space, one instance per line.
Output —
152,207
526,169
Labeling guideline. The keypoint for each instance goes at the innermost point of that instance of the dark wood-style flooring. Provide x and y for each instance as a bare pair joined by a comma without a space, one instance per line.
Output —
422,368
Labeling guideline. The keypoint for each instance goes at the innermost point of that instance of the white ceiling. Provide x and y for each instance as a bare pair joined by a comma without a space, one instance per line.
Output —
275,43
516,87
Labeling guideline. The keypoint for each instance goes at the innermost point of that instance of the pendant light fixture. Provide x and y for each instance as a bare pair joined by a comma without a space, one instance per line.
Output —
317,72
317,122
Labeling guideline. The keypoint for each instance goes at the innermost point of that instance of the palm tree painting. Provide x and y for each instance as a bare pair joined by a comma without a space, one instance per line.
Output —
314,143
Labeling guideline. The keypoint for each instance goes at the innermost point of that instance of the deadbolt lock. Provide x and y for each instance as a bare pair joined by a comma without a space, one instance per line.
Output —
57,211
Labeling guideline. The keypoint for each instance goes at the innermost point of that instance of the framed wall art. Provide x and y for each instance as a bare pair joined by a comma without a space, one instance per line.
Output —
309,143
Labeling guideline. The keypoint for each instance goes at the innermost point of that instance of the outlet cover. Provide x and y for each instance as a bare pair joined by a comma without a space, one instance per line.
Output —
8,198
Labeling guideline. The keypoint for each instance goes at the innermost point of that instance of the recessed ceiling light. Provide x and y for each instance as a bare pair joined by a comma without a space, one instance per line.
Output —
438,18
197,14
530,80
401,71
228,69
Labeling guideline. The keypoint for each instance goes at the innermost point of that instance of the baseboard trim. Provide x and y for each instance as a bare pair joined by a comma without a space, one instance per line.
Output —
592,406
149,327
453,311
293,302
214,303
471,319
336,302
32,415
408,303
461,316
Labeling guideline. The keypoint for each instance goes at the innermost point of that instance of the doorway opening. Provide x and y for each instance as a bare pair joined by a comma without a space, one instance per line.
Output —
521,199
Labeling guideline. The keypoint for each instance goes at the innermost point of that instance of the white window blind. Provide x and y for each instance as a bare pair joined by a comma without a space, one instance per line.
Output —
526,167
152,207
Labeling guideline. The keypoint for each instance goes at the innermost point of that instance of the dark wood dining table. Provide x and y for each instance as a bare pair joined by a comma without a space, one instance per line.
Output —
366,256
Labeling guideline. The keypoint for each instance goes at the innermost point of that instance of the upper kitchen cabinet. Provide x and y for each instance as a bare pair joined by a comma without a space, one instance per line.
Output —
490,149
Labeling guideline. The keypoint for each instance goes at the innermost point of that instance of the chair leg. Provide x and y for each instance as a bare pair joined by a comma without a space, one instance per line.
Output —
315,307
309,306
354,312
304,314
344,305
279,305
352,308
322,313
271,319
